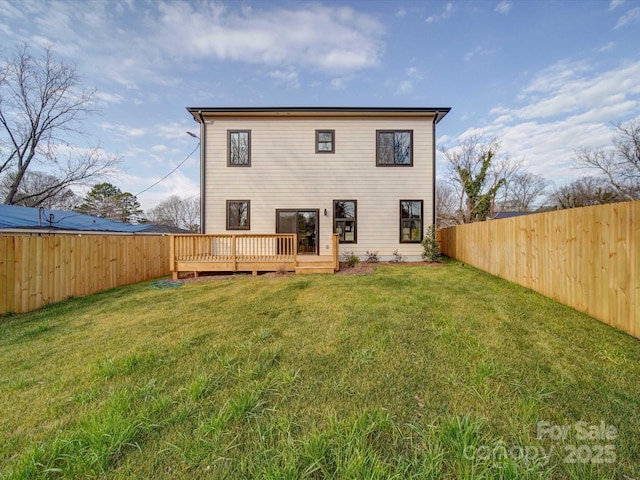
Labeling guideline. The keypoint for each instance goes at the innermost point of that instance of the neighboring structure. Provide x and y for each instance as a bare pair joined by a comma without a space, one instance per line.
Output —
14,219
510,214
367,174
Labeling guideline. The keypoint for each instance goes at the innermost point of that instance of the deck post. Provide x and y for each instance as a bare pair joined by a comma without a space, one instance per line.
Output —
294,240
336,248
233,252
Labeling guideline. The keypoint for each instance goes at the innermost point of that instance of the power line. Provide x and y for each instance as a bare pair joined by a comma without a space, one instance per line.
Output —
163,178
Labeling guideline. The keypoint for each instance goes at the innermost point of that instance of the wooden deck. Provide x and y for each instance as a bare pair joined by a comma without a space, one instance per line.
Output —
246,253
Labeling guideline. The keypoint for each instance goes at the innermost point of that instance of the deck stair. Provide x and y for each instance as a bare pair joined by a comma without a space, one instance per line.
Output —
314,264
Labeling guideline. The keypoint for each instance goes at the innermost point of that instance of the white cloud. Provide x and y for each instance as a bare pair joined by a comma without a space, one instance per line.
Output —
414,73
404,87
567,88
605,48
477,51
173,130
122,130
629,18
339,83
503,7
567,106
449,9
108,97
401,13
286,77
319,37
161,40
7,10
615,4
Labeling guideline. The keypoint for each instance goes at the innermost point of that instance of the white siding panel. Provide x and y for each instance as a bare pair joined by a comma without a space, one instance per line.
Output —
286,172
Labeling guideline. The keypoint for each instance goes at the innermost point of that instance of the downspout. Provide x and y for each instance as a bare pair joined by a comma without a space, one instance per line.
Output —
203,143
433,192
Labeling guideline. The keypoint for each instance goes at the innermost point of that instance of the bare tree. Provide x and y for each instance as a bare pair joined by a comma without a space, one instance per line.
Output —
620,163
583,192
477,173
177,212
53,196
446,205
42,105
523,192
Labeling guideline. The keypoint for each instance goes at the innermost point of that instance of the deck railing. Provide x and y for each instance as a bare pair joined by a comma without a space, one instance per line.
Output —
227,251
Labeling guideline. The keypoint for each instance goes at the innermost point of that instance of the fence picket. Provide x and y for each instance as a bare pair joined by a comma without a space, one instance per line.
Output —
586,258
40,269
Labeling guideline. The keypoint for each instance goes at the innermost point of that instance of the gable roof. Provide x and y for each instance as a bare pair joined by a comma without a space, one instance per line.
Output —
437,112
12,216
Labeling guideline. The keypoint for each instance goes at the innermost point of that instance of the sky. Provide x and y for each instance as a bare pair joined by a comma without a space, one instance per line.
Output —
544,77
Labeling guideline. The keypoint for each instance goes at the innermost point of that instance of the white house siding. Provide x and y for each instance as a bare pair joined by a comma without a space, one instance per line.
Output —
286,173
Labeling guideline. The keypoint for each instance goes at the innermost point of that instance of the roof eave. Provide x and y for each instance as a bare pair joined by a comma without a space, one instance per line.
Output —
438,112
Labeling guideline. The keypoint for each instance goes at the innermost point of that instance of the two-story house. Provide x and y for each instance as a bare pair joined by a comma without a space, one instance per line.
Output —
366,174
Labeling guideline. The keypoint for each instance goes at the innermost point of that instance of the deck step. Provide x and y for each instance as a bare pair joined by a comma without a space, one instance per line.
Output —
314,264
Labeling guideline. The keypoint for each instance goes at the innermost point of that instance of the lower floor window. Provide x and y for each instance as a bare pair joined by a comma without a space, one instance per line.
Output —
344,220
238,214
410,221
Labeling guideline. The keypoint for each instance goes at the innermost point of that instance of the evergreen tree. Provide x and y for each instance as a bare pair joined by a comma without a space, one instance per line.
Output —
108,201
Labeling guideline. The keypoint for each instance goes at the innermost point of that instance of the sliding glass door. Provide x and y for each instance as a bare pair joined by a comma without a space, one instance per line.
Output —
304,223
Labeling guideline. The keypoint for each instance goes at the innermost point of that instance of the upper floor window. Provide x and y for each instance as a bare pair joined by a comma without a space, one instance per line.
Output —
238,215
325,141
345,220
394,148
411,221
239,154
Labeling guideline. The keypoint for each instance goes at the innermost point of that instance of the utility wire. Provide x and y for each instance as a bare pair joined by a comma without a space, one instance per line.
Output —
163,178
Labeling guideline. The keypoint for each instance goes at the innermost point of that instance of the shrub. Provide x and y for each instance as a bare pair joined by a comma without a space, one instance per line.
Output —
431,249
353,260
346,255
372,257
397,257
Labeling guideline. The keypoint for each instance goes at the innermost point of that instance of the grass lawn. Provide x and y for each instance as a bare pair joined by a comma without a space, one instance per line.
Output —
412,372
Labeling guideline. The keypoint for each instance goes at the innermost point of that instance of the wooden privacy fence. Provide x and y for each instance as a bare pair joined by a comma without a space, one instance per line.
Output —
39,269
586,258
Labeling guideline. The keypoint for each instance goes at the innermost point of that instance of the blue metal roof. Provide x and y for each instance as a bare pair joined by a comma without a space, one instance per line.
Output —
12,216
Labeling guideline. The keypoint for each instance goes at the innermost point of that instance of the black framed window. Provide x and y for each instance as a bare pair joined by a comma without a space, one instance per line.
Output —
325,141
345,220
238,215
394,148
411,221
239,152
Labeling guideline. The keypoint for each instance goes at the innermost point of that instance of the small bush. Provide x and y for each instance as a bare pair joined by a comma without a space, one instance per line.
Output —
397,257
372,257
346,255
431,249
353,260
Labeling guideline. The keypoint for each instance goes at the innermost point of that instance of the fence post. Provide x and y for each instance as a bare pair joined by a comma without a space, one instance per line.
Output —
172,256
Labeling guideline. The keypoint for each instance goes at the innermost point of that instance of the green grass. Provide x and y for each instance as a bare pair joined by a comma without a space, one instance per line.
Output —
435,372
